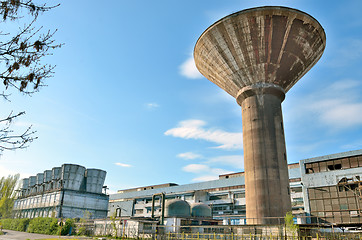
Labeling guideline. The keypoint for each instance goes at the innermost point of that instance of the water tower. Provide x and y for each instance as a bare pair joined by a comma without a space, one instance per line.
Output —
257,55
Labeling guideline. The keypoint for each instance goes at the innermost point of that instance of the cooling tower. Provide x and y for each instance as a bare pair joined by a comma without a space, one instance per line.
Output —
39,178
24,183
256,56
32,181
56,173
95,180
47,179
72,176
47,175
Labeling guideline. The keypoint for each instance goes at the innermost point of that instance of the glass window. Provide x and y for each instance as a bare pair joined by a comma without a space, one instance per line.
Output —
218,197
239,195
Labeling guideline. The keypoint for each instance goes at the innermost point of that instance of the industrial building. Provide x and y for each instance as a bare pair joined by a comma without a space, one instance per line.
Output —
68,191
324,190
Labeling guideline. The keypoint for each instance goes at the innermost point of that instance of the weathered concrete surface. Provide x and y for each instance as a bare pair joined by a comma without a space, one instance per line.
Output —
268,44
256,56
267,191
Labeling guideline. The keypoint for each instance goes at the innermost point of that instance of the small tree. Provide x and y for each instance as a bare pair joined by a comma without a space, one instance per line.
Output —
7,194
82,230
290,226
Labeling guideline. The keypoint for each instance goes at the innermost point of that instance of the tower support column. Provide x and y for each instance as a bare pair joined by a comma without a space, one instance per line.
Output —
265,162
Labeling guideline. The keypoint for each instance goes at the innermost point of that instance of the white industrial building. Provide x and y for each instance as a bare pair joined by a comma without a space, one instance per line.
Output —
68,191
340,173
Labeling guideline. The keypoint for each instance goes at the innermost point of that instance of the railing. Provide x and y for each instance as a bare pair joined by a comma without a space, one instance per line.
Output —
227,232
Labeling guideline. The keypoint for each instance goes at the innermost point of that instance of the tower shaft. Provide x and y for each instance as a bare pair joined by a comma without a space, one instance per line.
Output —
265,163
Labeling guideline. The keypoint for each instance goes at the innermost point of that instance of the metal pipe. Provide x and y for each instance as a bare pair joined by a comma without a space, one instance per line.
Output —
162,206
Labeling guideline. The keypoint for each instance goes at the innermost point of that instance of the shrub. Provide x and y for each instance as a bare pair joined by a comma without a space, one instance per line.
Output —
15,224
44,225
69,227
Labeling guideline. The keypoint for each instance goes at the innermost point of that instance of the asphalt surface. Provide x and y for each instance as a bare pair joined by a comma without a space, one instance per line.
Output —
14,235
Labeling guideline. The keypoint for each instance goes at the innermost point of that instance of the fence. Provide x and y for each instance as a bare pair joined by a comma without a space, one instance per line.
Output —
150,230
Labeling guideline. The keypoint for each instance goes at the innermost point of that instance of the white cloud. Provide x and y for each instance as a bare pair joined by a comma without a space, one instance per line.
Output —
235,161
196,168
336,107
207,172
348,51
205,178
193,129
339,106
189,155
152,106
123,164
189,70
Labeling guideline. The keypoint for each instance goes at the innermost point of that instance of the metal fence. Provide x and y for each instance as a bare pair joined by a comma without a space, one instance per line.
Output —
257,232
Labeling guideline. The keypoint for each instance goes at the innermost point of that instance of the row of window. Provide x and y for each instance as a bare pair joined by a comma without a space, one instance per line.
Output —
337,164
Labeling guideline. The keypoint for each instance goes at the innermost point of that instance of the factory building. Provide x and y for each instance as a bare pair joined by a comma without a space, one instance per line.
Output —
68,191
325,189
332,187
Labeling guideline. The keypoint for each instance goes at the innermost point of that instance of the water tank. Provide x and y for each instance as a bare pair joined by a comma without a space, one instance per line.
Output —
32,181
39,178
200,210
95,180
177,208
24,184
72,176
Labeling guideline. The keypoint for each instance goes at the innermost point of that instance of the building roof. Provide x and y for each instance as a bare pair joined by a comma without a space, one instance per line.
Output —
333,156
218,184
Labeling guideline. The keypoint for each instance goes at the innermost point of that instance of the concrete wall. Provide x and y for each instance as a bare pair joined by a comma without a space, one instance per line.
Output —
75,204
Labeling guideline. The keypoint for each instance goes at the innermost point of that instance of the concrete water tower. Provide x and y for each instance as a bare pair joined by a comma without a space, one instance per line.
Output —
257,55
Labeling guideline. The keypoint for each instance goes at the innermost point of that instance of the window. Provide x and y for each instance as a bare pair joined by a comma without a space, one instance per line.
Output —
343,206
297,189
138,211
218,197
239,195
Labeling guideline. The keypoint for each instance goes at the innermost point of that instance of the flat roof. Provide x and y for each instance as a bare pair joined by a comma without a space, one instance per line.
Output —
333,156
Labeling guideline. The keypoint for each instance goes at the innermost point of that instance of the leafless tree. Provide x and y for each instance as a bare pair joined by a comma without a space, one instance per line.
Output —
21,66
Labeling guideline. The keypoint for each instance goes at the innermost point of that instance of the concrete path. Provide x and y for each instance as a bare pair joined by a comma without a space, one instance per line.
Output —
14,235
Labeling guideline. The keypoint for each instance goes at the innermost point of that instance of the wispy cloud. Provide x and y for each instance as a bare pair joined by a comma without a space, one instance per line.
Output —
205,178
189,70
123,164
152,105
335,107
196,168
194,129
339,106
189,155
207,173
348,50
235,161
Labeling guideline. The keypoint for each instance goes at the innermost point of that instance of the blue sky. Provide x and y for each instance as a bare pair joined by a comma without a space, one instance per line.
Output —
126,98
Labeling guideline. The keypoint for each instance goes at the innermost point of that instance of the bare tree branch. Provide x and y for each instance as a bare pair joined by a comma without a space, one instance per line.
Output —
21,66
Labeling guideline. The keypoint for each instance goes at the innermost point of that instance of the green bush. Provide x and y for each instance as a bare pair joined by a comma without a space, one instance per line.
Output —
68,226
15,224
44,225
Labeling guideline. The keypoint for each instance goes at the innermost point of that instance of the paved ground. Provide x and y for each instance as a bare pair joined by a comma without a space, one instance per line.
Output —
14,235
